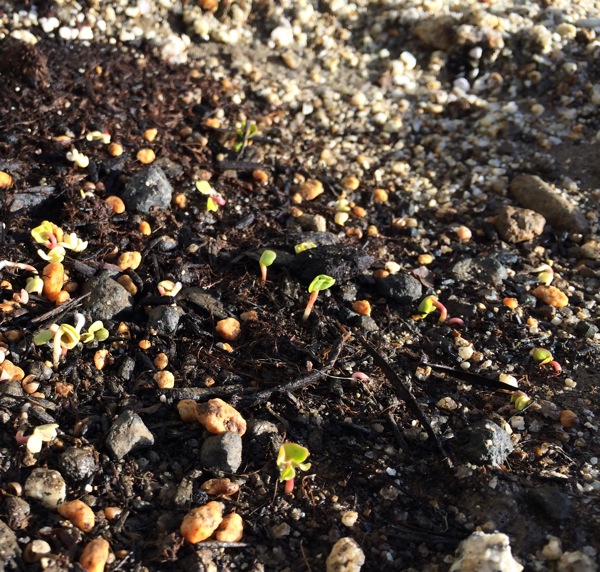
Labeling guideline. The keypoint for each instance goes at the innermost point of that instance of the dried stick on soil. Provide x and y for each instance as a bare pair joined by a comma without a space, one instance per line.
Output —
61,310
405,394
299,383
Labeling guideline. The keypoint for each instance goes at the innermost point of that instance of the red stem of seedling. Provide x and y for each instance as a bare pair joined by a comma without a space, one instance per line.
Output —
442,309
263,271
52,242
289,486
557,367
456,322
310,304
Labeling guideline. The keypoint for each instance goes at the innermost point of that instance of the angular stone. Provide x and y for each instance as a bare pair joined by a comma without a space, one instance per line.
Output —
9,548
222,452
519,225
78,464
107,297
339,262
482,552
483,443
148,188
127,433
401,288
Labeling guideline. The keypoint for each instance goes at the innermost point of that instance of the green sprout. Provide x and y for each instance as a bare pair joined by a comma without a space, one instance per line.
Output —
321,282
290,458
301,247
544,357
546,274
266,259
520,400
40,435
243,134
96,333
430,304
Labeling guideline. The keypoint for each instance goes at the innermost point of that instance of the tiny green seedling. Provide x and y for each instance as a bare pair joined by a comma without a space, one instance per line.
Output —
243,135
431,303
41,434
321,282
520,400
95,333
544,357
291,457
266,259
546,274
302,246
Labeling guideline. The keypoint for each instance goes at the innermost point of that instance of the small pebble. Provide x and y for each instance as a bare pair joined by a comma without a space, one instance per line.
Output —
200,523
349,518
146,156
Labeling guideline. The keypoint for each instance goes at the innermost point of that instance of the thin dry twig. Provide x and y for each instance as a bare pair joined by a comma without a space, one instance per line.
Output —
404,393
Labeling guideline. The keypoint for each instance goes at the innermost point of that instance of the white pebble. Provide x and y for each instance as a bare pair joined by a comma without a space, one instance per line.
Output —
349,518
409,61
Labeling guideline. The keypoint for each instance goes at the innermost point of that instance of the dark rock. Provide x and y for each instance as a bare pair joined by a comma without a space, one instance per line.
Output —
41,371
17,511
128,432
486,269
222,452
10,553
483,443
534,193
341,263
78,464
205,301
107,297
164,319
401,288
183,495
553,502
146,189
126,368
365,323
30,198
11,390
460,308
167,244
519,225
586,329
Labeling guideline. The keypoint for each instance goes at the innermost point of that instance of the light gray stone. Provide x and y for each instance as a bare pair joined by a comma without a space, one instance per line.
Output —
127,433
46,487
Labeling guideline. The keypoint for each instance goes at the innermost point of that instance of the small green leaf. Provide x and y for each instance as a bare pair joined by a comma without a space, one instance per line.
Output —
267,258
541,355
321,282
288,473
43,337
298,248
295,453
427,306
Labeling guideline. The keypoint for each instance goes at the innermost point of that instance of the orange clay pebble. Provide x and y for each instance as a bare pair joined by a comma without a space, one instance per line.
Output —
220,487
231,528
311,189
115,204
79,514
130,260
164,379
144,228
95,555
62,298
113,512
212,122
115,150
464,233
568,419
372,230
362,307
209,5
511,303
220,417
188,410
425,259
380,273
150,134
100,359
249,316
380,196
359,212
6,181
260,176
201,522
180,200
145,344
128,284
146,156
350,183
10,372
53,277
551,295
161,361
229,329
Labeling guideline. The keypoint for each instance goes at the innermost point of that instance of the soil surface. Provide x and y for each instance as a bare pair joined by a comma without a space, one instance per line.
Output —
400,460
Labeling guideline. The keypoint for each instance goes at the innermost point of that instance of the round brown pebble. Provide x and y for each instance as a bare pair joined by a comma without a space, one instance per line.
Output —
511,303
95,555
130,260
112,512
53,277
464,233
360,212
260,176
150,134
220,417
100,359
128,284
350,183
380,196
220,487
161,360
146,156
6,180
79,514
231,528
115,150
551,295
180,200
115,204
311,189
229,329
201,522
145,228
164,379
568,419
362,307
